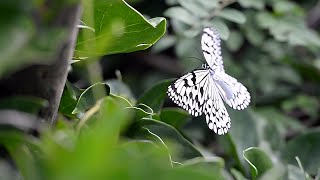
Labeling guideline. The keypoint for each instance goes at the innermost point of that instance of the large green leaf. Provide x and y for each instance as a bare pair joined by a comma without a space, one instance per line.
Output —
221,27
307,148
237,175
76,101
238,139
118,28
181,14
196,7
176,117
233,15
277,172
155,96
150,129
119,88
213,165
87,98
252,3
258,160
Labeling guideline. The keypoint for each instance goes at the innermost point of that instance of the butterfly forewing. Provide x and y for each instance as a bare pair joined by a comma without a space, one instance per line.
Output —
210,44
189,91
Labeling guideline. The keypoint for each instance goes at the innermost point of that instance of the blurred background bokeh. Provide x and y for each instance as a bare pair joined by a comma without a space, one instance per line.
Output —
270,46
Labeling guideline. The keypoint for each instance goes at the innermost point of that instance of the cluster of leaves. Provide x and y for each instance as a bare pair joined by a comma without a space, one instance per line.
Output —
22,42
115,136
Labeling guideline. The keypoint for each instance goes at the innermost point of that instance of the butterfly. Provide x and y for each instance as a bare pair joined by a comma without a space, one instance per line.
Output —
203,91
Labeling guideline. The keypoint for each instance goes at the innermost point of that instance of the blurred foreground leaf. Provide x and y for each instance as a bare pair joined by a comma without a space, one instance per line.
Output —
169,135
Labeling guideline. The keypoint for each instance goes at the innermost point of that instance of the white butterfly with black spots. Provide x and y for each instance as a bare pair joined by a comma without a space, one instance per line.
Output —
202,91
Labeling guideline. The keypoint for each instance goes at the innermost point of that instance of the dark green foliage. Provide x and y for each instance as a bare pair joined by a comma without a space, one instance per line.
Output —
111,134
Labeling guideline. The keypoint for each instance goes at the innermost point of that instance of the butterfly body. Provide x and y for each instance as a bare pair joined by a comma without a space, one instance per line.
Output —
203,91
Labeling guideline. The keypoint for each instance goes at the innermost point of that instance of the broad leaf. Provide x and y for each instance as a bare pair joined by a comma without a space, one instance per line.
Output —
88,97
243,134
118,29
155,96
258,160
233,15
169,135
175,117
181,14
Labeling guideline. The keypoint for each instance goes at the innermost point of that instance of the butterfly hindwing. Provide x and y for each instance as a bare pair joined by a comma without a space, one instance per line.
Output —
217,116
197,93
233,92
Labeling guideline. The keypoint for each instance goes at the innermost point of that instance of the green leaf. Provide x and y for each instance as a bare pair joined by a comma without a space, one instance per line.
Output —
213,165
276,127
265,19
87,98
238,175
283,7
254,34
164,43
258,160
69,100
210,6
21,147
221,27
277,172
295,173
155,96
22,103
232,15
237,140
307,148
291,29
307,104
73,91
235,41
252,3
24,160
119,88
168,134
195,7
182,15
119,28
95,147
175,117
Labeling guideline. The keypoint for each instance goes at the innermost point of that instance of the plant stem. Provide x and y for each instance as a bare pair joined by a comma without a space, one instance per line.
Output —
93,66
